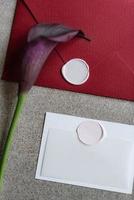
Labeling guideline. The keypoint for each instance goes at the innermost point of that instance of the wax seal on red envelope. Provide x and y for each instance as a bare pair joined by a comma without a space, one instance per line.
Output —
76,71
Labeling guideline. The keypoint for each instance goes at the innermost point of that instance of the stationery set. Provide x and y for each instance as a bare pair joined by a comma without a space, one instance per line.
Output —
84,46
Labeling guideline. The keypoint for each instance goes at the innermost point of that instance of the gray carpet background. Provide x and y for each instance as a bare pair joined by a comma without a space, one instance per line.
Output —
19,182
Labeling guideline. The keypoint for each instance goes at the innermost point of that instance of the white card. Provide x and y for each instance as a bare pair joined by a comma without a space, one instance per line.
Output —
107,165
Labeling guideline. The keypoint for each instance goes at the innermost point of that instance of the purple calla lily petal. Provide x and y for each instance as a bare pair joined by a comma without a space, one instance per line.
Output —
36,53
54,32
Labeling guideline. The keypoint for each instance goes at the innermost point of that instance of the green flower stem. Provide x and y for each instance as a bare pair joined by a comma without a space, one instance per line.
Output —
9,140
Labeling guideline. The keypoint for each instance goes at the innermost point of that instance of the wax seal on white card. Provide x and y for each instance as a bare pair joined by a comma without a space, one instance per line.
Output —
108,165
76,71
90,132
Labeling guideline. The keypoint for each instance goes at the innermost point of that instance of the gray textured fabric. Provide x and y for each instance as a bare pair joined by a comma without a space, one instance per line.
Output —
19,180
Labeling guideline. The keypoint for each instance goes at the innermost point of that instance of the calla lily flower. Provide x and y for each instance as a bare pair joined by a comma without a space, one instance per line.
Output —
41,41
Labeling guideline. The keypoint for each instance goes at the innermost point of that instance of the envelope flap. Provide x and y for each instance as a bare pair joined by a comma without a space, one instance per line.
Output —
79,10
107,23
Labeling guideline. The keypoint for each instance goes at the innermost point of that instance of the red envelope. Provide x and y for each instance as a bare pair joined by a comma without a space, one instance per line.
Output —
110,54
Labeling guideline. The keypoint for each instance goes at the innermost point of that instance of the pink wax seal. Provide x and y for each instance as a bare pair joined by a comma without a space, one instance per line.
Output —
90,132
76,71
